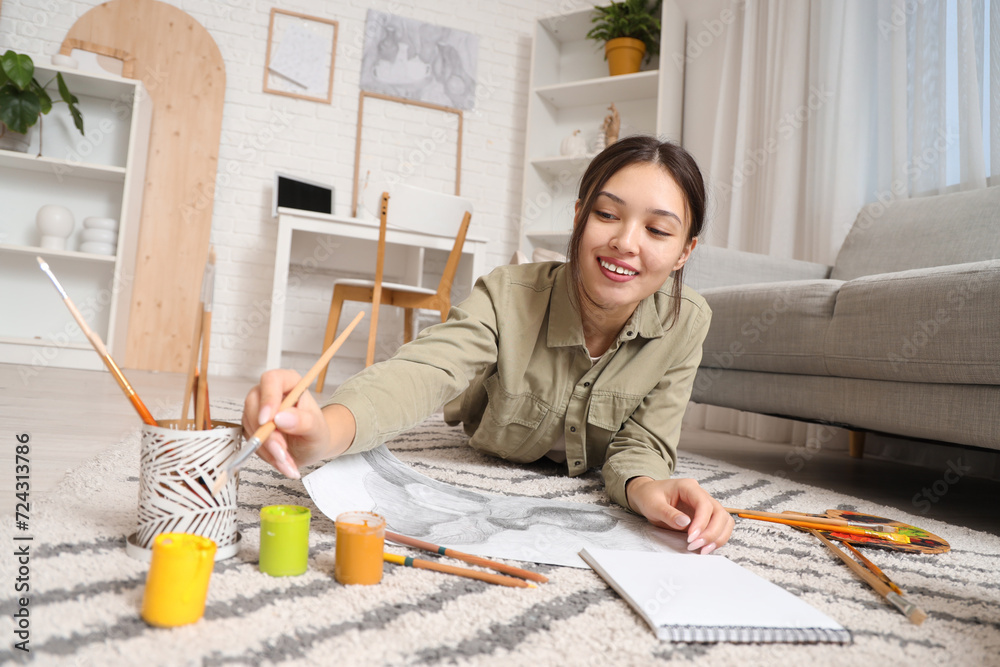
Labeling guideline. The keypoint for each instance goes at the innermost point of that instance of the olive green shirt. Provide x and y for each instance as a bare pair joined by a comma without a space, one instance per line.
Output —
512,365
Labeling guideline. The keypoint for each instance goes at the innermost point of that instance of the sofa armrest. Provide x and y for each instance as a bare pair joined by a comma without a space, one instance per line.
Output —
712,266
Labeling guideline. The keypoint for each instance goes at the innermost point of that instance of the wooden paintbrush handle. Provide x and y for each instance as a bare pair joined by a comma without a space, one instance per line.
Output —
790,516
293,396
907,608
468,558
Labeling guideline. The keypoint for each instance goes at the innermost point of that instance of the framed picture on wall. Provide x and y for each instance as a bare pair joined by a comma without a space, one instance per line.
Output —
301,50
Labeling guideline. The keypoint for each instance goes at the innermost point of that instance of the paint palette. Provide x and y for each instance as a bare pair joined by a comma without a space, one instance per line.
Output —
921,541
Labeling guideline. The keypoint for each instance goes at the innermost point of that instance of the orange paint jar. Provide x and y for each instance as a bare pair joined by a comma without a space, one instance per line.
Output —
360,543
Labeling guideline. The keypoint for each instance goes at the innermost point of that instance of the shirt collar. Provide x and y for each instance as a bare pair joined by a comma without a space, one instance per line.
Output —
566,329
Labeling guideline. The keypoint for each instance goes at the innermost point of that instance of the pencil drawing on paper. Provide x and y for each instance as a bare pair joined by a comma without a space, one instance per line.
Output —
519,527
419,61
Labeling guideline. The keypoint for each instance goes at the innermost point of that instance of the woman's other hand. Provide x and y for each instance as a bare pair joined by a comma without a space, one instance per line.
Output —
681,504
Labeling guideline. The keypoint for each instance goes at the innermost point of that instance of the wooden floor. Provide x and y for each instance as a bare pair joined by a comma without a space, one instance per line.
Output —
71,416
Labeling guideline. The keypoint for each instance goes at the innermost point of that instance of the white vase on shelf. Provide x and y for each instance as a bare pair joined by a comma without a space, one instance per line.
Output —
574,145
15,141
55,223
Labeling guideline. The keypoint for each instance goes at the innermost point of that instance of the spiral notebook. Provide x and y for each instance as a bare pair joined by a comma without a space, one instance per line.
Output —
691,598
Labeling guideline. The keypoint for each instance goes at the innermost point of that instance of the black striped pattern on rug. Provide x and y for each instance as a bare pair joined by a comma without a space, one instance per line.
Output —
86,592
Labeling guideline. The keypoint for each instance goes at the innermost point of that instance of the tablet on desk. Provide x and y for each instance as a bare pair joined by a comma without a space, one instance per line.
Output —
301,193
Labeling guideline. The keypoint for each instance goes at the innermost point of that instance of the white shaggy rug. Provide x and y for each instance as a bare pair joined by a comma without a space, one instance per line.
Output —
86,592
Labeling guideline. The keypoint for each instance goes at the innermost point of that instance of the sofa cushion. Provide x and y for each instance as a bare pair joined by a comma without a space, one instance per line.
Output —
922,232
926,325
775,327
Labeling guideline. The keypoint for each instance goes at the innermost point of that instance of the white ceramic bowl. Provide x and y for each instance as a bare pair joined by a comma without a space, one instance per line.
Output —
99,236
94,222
97,248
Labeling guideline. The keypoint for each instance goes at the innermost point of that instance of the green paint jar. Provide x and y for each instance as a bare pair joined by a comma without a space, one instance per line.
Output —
284,540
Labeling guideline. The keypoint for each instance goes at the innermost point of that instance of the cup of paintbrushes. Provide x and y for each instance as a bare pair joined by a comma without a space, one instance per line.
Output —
177,467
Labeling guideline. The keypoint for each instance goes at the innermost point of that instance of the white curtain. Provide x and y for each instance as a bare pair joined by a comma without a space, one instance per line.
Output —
827,105
938,95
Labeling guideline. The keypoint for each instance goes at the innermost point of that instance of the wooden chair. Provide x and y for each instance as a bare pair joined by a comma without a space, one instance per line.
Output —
418,210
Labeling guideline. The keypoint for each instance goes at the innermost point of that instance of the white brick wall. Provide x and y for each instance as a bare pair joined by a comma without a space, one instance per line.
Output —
263,132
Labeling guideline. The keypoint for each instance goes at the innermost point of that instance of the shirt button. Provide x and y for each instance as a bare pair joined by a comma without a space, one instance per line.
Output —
577,463
628,333
572,429
586,384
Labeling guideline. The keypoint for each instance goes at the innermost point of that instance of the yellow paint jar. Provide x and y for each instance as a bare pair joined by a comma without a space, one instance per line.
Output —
360,542
177,582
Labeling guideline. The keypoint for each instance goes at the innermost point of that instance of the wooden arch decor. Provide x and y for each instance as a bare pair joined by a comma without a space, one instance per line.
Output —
184,74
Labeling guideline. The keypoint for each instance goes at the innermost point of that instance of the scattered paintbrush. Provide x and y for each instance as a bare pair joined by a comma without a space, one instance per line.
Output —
827,521
98,344
907,608
460,571
264,430
468,558
876,570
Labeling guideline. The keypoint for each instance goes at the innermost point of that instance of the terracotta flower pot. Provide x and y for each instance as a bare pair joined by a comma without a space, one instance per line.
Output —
624,55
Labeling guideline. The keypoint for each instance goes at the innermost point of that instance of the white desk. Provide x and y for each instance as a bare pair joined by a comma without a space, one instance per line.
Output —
348,232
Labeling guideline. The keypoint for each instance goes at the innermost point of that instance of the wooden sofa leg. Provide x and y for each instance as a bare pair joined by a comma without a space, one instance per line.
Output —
856,444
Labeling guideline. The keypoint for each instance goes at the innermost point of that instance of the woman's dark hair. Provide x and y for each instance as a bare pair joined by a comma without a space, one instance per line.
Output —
635,150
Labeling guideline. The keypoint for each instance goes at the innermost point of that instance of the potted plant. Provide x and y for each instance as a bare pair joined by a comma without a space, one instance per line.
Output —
629,30
23,100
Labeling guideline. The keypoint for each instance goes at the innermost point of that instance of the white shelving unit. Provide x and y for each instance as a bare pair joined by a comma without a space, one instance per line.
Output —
101,173
570,90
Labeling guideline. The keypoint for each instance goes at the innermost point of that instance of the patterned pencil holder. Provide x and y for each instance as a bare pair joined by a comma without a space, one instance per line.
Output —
176,471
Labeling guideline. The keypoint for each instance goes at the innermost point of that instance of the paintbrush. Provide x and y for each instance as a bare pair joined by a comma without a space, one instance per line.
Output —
468,558
460,571
876,570
98,344
907,608
264,430
828,521
806,522
191,384
201,413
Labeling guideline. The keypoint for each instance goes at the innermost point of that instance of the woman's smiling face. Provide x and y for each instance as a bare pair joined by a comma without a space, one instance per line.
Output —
636,235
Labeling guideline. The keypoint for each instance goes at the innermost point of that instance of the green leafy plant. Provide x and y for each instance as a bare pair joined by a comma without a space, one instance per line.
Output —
630,18
23,100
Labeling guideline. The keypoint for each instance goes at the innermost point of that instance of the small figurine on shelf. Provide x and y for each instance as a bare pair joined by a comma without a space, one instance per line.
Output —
611,125
573,145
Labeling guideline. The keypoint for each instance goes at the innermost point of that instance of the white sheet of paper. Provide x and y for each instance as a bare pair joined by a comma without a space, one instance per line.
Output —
491,525
302,57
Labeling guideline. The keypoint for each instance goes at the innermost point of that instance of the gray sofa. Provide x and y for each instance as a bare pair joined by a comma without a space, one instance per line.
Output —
900,336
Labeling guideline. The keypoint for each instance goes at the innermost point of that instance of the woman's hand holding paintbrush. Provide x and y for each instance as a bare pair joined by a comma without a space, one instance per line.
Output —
286,419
